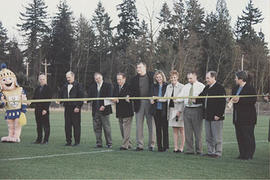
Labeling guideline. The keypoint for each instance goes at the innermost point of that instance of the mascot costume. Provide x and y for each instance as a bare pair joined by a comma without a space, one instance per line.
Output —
12,96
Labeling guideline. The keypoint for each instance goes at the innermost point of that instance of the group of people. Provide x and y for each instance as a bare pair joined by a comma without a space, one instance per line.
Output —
184,115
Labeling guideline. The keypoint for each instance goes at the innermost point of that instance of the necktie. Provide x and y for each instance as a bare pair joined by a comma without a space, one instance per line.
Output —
190,94
171,104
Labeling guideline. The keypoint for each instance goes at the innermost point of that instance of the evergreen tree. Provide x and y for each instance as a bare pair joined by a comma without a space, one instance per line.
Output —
84,56
219,43
128,27
3,43
34,27
104,40
251,16
62,43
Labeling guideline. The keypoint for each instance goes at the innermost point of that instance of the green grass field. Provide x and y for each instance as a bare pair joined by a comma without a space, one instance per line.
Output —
57,161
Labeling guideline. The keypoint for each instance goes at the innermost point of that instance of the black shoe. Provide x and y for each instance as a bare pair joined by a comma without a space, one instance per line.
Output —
160,150
76,144
206,155
109,146
36,142
68,144
215,156
150,149
139,149
165,149
123,149
98,146
198,153
45,142
176,151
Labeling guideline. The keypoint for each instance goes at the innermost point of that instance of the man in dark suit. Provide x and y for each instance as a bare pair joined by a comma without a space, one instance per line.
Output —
42,110
141,87
214,109
267,99
72,89
244,116
101,110
124,110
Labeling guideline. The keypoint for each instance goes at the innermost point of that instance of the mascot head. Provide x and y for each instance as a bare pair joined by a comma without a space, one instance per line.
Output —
8,79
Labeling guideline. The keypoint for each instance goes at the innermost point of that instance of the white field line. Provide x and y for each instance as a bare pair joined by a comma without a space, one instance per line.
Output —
55,155
91,152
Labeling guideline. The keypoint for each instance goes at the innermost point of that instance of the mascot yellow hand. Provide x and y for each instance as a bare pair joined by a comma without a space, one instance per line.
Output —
22,119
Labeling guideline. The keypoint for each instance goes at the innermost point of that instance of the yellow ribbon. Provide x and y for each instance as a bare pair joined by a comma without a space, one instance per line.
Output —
133,98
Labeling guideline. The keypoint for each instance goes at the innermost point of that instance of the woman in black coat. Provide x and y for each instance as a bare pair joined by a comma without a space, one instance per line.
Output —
159,111
244,116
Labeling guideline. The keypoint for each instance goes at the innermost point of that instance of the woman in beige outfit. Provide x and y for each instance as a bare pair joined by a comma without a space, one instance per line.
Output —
175,109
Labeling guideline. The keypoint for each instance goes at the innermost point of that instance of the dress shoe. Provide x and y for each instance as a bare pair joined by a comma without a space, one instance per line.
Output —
150,149
176,151
206,154
45,142
215,156
68,144
123,148
36,142
165,149
139,149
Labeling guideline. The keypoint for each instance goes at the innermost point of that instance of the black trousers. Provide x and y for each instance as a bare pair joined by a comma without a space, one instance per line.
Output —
72,119
161,130
43,123
269,132
246,140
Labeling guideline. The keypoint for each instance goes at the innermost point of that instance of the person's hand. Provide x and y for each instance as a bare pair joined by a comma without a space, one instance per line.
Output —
178,114
235,99
127,99
266,97
216,118
76,110
102,108
44,112
57,102
116,100
152,101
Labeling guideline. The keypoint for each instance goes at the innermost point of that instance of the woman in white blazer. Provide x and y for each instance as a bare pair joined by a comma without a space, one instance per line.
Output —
175,111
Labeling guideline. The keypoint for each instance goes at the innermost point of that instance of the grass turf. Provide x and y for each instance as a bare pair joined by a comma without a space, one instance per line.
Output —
88,162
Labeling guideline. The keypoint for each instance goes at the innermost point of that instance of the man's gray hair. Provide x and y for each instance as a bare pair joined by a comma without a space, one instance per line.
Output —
71,73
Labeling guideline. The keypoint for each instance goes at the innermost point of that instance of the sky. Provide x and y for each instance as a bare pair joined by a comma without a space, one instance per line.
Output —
10,11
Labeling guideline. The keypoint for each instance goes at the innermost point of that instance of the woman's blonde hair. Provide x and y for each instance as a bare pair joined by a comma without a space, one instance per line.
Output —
162,75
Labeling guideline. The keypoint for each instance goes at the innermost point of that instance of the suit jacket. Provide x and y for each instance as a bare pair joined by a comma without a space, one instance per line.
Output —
45,93
75,92
135,88
178,106
124,109
214,106
244,112
155,90
105,91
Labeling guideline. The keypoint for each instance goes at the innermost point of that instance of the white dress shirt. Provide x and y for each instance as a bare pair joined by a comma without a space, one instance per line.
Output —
70,86
99,86
197,89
